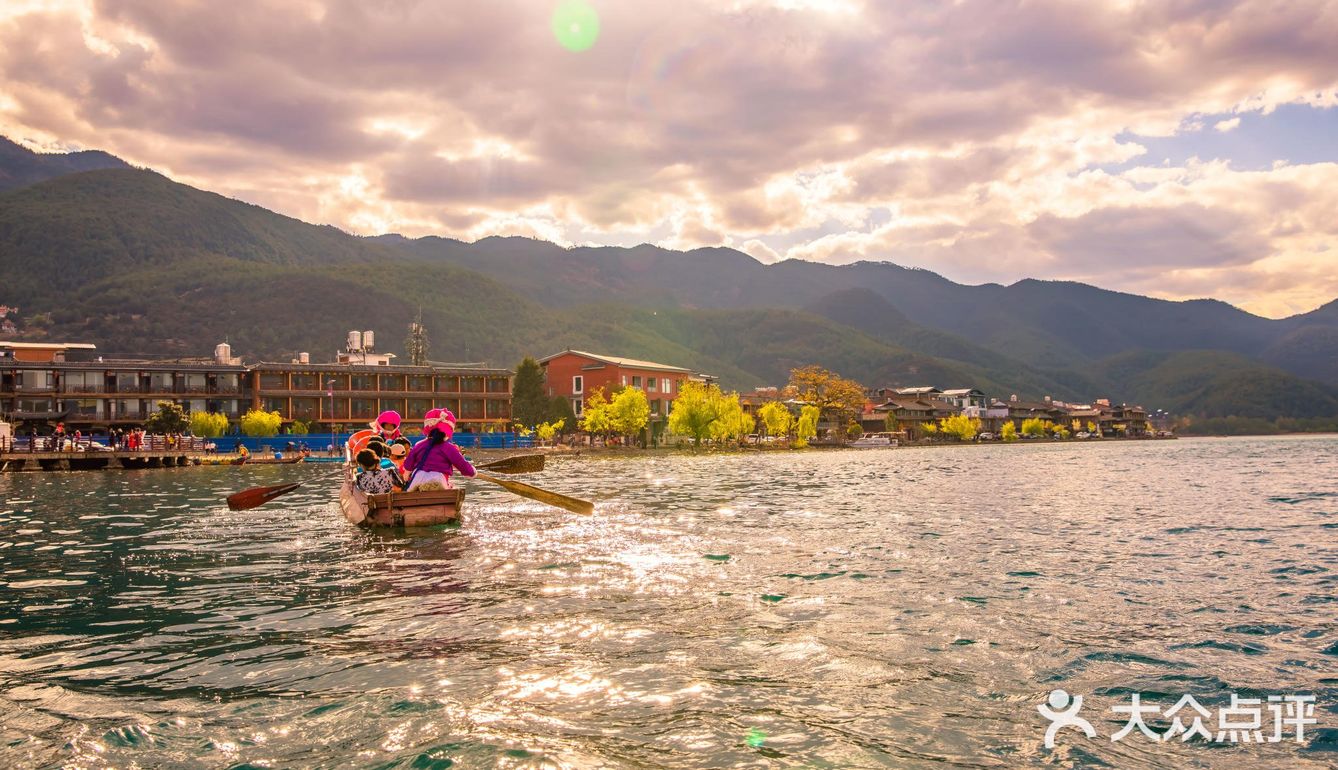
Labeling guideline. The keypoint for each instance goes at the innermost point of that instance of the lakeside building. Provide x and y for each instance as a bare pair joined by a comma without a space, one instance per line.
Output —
575,374
39,385
913,407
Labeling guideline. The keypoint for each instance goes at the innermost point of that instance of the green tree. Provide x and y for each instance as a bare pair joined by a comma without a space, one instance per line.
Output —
695,408
807,427
299,428
170,418
1008,432
529,405
208,424
960,427
559,410
776,418
258,422
629,412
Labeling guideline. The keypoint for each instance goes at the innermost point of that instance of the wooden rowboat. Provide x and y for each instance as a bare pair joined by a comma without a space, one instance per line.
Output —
400,509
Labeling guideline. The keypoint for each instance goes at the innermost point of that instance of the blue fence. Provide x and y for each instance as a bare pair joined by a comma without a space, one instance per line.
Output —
318,442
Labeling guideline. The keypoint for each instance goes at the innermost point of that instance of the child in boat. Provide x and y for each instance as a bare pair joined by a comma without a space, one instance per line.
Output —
372,478
399,449
431,460
387,426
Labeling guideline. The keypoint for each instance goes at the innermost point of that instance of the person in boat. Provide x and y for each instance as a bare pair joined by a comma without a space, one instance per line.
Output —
398,451
432,459
387,426
373,479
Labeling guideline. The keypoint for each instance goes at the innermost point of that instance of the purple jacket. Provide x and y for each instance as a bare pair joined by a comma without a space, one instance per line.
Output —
441,458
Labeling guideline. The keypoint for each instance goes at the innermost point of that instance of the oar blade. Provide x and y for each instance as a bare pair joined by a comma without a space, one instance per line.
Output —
258,496
549,497
517,464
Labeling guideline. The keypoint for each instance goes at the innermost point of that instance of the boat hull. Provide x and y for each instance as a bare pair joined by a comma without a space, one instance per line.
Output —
400,509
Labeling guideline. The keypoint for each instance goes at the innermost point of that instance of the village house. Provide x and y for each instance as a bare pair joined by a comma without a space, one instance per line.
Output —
575,374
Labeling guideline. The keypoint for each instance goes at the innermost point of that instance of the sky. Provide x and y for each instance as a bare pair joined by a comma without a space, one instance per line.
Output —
1174,148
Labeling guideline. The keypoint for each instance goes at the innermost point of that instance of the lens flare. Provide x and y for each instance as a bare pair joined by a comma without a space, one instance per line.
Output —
575,25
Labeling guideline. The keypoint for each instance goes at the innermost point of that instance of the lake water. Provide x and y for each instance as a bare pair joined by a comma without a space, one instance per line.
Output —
881,608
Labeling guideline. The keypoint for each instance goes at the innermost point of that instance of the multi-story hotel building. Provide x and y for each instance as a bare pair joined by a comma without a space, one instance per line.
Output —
39,385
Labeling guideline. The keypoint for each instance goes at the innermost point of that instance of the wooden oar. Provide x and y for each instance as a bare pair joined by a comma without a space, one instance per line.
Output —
258,496
517,464
573,504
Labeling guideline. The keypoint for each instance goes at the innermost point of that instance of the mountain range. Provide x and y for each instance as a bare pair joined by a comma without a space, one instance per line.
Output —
94,250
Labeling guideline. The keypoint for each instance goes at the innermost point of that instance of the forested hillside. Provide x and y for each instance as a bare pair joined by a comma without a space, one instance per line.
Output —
139,264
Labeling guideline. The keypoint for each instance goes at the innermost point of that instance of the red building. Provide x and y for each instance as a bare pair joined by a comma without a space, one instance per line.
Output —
576,374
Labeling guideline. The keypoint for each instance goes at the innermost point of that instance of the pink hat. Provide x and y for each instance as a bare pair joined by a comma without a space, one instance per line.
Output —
439,418
389,416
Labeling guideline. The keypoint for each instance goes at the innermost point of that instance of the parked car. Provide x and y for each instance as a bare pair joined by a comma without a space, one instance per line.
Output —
985,437
1082,434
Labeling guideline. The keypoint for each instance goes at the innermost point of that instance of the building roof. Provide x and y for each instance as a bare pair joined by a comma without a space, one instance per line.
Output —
963,392
48,345
331,366
630,363
922,390
127,365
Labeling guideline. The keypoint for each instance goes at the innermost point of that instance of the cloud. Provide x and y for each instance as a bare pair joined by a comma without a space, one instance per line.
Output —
973,138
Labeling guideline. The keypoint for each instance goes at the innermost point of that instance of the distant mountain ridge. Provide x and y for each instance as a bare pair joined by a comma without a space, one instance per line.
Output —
140,264
20,166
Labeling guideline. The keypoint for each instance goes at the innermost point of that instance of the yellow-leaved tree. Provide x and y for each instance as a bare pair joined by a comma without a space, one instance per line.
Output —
1008,432
208,424
1034,426
833,395
695,409
776,418
547,430
597,416
629,412
731,422
960,427
807,427
258,422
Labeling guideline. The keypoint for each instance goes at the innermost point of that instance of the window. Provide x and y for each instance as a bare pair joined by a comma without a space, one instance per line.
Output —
652,384
416,408
392,382
36,380
127,382
420,383
83,382
273,381
578,385
655,406
127,407
226,383
306,382
196,382
497,408
472,384
363,382
363,408
448,384
636,382
272,404
577,407
624,380
499,384
471,409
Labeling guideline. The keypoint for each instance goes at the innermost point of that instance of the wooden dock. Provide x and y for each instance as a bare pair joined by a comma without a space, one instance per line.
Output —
97,461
